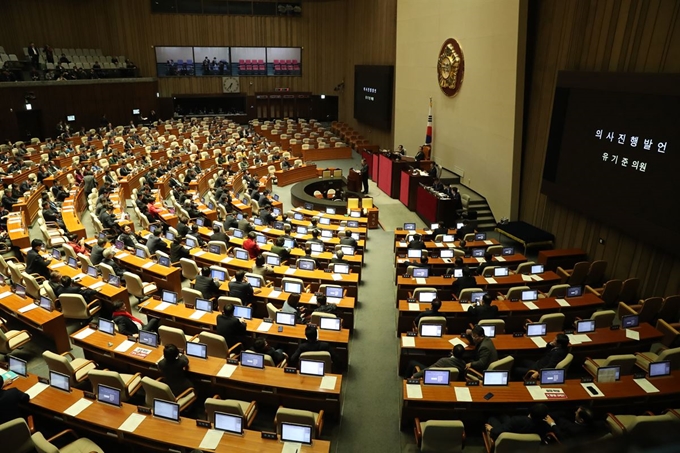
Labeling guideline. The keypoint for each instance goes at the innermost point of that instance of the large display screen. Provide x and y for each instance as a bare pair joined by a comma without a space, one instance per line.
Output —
373,93
614,150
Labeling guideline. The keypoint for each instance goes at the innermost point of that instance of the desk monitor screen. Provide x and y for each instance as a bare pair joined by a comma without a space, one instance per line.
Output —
191,243
214,248
72,262
254,281
241,311
204,305
341,268
273,260
18,366
276,212
507,251
152,228
211,206
436,377
238,234
218,274
478,253
414,253
536,329
434,226
106,326
448,238
140,252
306,265
356,236
431,330
70,118
656,369
330,210
477,297
92,271
480,237
427,296
460,225
458,273
276,197
239,216
326,234
252,360
257,221
347,250
164,261
309,206
585,326
56,254
537,269
199,350
330,324
355,214
352,224
574,291
312,367
114,280
242,255
608,373
135,111
298,216
108,395
410,226
291,432
316,247
261,239
101,236
46,303
229,423
200,222
148,338
529,295
292,287
501,272
551,376
447,253
334,292
60,381
301,230
166,410
495,378
169,236
489,330
285,319
278,225
630,321
421,272
169,297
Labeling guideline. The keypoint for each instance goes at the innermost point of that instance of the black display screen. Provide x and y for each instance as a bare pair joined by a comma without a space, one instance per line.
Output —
373,93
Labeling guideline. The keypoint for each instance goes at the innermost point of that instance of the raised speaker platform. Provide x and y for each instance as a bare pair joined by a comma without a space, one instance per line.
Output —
303,192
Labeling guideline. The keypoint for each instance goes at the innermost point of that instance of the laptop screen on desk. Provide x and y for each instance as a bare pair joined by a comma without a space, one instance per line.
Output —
148,338
324,221
286,319
348,250
164,261
529,295
656,369
536,329
458,273
252,360
448,238
537,269
273,260
420,272
191,243
448,253
292,287
45,303
608,373
200,222
72,262
316,247
330,210
199,350
261,239
114,280
355,214
218,274
427,296
430,330
204,305
312,367
17,366
241,255
229,423
166,410
214,248
480,237
306,265
330,324
326,234
414,253
106,326
352,224
477,297
478,253
552,376
169,236
341,268
60,381
291,432
169,297
257,221
501,272
585,326
630,321
56,254
238,233
334,292
298,216
244,312
301,230
108,395
410,226
495,378
508,251
489,330
92,271
574,291
255,282
436,377
140,253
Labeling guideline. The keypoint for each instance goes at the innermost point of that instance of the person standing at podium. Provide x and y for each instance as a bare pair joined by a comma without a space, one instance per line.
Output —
364,175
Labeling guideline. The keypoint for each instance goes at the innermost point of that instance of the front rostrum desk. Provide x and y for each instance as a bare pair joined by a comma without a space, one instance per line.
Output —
270,385
134,429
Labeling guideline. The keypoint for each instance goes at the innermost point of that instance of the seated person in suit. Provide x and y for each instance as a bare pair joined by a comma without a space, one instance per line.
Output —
173,366
219,235
128,324
322,306
128,237
339,257
423,261
97,254
261,346
535,423
417,242
156,243
35,263
556,351
183,226
315,237
9,402
232,329
488,261
348,239
466,281
207,285
485,350
109,261
266,214
577,426
454,360
435,305
465,229
241,289
312,344
260,268
250,244
68,287
484,311
195,233
178,251
279,248
292,305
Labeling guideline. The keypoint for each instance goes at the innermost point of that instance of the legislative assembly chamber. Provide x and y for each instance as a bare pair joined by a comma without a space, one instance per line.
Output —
339,226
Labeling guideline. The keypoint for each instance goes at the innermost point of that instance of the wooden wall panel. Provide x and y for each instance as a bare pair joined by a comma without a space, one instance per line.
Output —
585,35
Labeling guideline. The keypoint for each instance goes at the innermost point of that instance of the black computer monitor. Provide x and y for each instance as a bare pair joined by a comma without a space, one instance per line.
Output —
252,360
148,338
312,367
436,377
169,297
292,432
166,410
108,395
198,350
495,378
106,326
552,376
229,423
285,319
60,381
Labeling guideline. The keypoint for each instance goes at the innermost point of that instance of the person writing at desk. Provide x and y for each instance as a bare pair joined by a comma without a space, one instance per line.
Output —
35,263
174,367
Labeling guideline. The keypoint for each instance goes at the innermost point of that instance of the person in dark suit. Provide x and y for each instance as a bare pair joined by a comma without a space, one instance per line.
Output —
9,402
97,254
348,239
89,182
231,328
466,281
364,175
35,263
218,235
556,351
417,242
322,305
208,287
454,360
280,250
178,251
420,155
173,367
485,350
155,242
488,261
484,311
435,305
109,261
339,257
312,344
266,215
535,423
68,287
245,226
441,229
262,347
465,229
128,237
455,197
128,324
578,427
33,54
183,226
241,289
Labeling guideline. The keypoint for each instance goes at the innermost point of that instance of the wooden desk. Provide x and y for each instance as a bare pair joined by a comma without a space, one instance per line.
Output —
284,178
408,193
513,313
604,342
439,402
30,205
335,218
402,247
169,278
344,152
17,229
439,265
294,389
432,209
565,258
51,323
152,433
